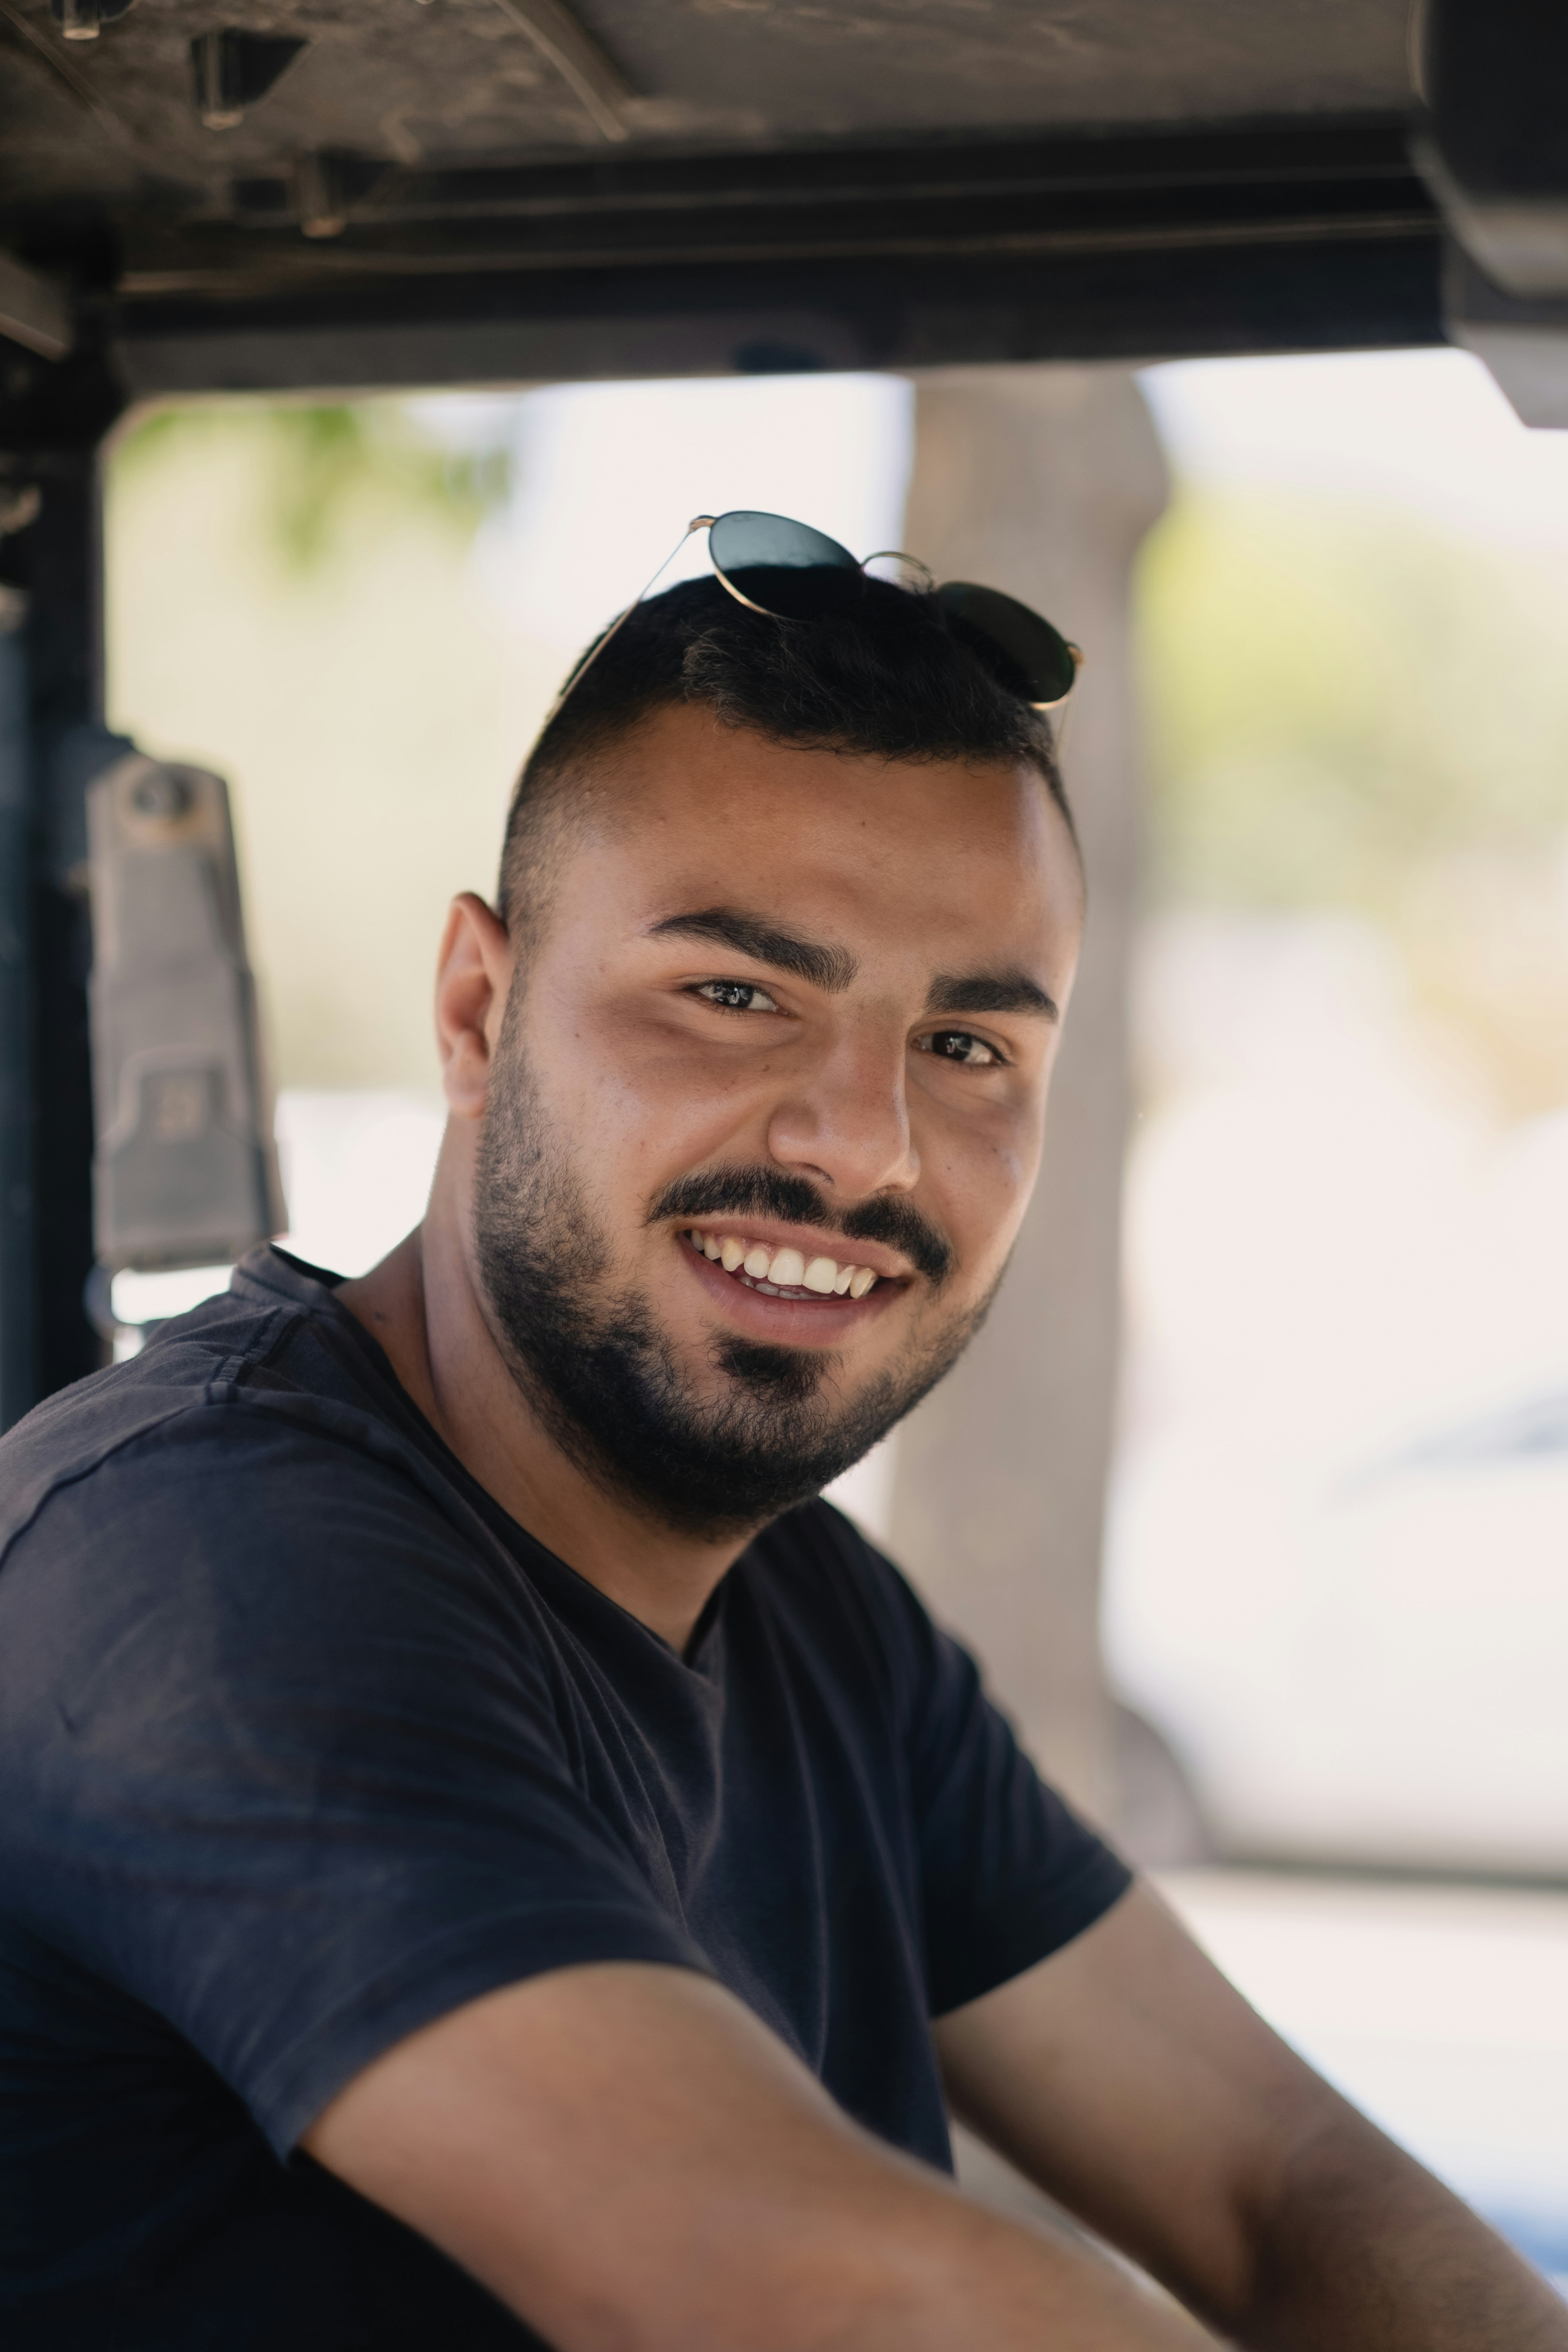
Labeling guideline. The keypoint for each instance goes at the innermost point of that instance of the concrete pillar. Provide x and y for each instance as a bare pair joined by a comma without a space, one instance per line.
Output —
1042,481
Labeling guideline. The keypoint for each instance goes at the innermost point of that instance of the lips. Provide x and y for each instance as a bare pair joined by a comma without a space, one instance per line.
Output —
783,1273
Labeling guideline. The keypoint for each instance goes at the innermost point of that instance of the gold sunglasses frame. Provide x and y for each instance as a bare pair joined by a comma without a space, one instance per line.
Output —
706,523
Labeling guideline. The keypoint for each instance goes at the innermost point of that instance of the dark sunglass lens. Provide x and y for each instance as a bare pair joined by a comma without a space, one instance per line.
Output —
1039,658
783,567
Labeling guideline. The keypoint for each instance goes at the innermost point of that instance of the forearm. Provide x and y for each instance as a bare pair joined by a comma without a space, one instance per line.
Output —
794,2234
1132,2083
1362,2249
871,2261
627,2159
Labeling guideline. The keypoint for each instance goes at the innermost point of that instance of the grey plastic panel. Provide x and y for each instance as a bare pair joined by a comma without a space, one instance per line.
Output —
184,1172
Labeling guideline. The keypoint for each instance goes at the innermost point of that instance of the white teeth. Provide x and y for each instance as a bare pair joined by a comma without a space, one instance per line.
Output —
784,1269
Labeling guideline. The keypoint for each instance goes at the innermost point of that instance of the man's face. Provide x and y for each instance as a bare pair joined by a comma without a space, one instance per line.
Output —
767,1104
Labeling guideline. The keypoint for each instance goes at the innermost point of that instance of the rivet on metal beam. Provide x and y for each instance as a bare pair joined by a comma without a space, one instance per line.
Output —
321,202
215,60
232,69
81,20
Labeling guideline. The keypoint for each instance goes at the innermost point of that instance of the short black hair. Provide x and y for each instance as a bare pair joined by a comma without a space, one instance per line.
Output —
896,676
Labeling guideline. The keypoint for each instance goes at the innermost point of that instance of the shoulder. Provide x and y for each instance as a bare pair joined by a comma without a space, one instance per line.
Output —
221,1395
75,1433
221,1496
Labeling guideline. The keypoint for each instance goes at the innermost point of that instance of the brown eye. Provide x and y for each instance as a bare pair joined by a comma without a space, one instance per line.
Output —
961,1045
736,995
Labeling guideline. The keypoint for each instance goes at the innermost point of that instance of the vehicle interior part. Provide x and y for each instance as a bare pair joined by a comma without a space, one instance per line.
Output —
1494,75
524,190
184,1172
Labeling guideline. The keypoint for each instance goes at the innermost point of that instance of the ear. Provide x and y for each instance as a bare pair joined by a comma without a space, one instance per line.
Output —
473,978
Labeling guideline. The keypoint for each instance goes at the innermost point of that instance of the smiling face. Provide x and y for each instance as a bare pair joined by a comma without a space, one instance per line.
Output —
767,1103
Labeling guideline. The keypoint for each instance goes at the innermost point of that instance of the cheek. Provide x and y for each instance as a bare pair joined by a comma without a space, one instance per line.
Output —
641,1097
980,1184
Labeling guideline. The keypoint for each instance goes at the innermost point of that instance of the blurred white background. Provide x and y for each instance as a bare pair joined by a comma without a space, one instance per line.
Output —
1339,1567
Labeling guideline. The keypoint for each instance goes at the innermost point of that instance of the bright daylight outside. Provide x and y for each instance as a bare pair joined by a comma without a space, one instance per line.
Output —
1336,1582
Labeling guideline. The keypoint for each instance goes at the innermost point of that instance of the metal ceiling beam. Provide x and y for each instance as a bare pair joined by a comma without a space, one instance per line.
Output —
1268,239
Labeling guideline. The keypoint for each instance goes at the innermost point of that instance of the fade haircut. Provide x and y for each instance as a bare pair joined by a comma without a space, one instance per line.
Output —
897,677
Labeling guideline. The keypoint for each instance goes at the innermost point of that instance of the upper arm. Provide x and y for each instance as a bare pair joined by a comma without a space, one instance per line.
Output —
1127,2078
279,1766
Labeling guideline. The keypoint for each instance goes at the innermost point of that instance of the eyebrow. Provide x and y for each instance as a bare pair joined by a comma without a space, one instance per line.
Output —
990,991
827,968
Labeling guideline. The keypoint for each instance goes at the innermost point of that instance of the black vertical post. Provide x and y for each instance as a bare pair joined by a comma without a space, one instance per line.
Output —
52,419
18,1340
65,652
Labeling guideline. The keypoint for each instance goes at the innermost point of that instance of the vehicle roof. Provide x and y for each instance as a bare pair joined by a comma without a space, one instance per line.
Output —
456,169
463,82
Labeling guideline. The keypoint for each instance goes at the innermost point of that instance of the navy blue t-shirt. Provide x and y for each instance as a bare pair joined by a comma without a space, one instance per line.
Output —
303,1742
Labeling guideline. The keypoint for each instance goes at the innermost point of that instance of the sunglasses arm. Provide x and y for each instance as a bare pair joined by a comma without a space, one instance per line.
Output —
574,679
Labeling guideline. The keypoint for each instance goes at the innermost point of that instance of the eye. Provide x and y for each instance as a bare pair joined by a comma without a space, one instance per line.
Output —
736,995
960,1046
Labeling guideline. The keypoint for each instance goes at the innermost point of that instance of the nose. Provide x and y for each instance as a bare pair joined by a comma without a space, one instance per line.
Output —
846,1124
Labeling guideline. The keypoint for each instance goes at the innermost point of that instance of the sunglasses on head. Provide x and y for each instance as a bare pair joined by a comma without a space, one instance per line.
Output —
787,572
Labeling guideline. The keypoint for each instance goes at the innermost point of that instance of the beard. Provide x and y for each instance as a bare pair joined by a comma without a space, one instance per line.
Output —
592,1363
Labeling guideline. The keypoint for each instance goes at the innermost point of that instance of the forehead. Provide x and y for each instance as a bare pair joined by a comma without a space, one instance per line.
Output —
929,860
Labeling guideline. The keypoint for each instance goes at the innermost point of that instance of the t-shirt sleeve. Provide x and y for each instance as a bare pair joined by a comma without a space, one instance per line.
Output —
1008,1872
285,1757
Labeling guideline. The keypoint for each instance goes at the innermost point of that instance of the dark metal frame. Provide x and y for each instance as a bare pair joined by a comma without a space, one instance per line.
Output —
51,720
1094,246
52,739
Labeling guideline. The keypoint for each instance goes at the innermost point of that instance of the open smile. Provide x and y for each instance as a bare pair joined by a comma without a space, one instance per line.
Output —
785,1291
786,1273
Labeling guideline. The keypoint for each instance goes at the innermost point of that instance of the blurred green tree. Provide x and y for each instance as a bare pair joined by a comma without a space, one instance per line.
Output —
288,601
1346,708
323,472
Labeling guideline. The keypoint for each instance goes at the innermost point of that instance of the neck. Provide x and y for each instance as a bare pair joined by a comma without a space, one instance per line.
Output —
423,1305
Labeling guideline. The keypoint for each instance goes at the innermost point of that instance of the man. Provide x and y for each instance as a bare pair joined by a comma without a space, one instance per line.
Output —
481,1850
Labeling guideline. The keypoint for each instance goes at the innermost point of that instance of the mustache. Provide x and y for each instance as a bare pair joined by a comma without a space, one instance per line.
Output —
795,1200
